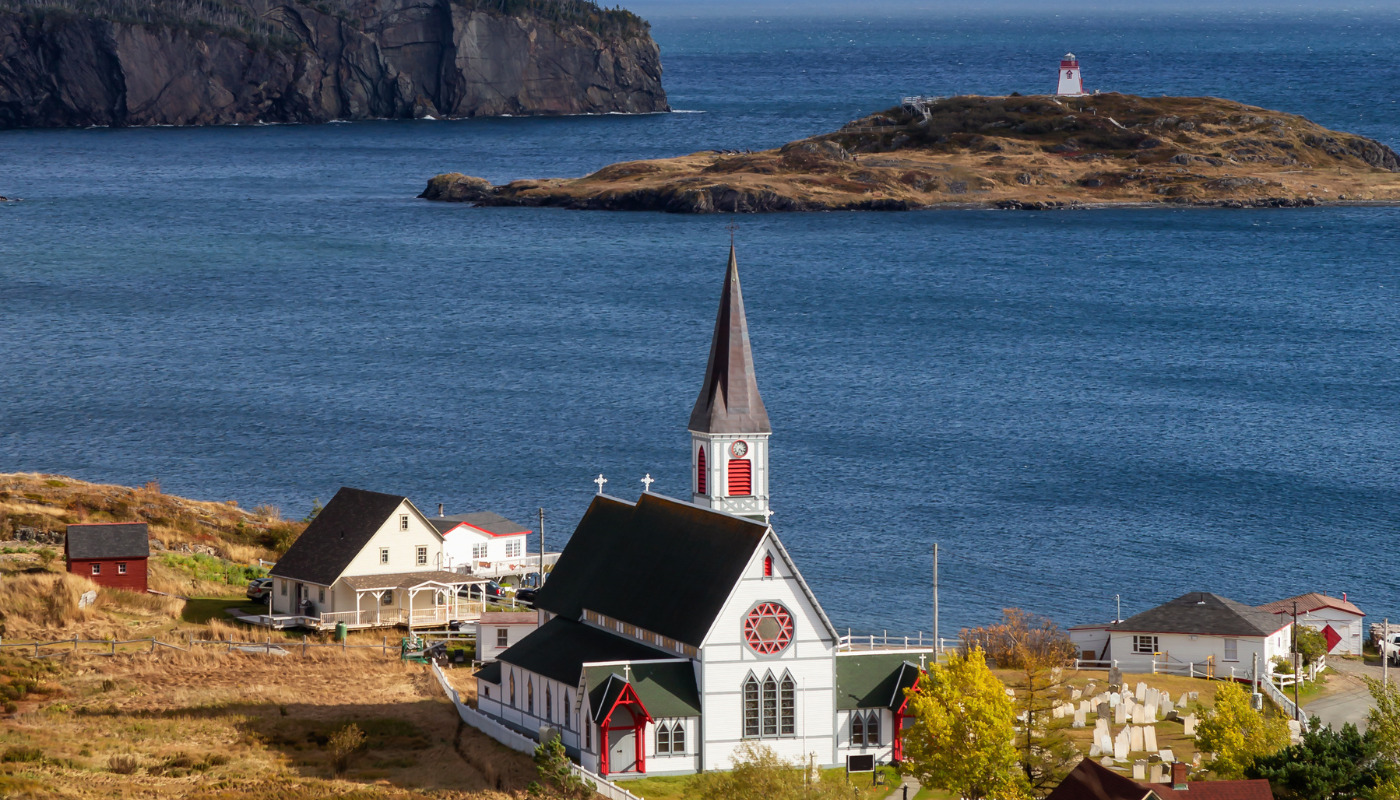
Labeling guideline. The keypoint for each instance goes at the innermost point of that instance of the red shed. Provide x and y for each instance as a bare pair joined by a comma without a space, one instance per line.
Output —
111,554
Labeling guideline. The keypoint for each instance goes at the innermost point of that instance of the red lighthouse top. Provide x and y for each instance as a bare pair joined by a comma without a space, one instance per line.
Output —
1069,62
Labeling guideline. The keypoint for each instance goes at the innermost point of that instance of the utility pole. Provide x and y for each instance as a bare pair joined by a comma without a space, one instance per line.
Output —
1118,615
1256,672
1297,665
541,583
1385,657
937,646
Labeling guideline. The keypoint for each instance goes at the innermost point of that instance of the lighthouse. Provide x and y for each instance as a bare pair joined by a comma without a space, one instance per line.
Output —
1071,81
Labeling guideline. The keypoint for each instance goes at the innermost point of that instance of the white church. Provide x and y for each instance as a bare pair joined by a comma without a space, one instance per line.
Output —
673,631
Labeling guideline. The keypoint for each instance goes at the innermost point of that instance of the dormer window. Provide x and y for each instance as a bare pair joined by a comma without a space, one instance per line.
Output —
403,522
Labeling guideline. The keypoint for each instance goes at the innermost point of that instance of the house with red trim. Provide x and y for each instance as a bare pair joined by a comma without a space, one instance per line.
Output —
673,632
1338,620
111,554
485,544
1089,780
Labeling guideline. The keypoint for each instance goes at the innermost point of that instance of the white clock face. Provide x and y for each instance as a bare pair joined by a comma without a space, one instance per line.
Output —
739,449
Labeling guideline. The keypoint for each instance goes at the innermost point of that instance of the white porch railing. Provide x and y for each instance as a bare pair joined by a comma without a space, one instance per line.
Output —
519,566
379,616
884,641
520,742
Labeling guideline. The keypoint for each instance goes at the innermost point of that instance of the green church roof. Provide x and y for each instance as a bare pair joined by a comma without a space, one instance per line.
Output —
667,689
874,680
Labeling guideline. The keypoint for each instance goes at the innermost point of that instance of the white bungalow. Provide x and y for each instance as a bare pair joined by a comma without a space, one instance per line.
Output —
1336,618
487,545
368,559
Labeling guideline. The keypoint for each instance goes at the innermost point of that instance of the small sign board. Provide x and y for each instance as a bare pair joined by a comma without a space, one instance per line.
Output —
864,762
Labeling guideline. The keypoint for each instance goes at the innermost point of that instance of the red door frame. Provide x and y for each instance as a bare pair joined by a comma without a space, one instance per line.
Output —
626,697
898,751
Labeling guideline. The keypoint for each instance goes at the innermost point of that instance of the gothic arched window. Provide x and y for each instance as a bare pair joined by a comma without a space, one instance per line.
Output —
678,739
700,471
872,729
857,729
787,706
549,702
512,690
770,706
663,739
530,695
751,710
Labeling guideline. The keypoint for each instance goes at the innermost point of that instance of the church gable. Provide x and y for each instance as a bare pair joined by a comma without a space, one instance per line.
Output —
769,608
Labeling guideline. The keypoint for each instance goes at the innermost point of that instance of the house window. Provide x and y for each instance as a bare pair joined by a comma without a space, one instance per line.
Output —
566,710
121,567
97,569
588,736
1232,649
403,522
678,739
768,566
321,595
512,690
740,477
502,637
388,598
515,547
770,706
872,729
663,739
283,584
383,555
857,729
700,472
1145,644
549,703
751,711
530,695
420,556
479,550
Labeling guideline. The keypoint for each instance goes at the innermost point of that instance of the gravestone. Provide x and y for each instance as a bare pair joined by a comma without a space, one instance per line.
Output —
1103,711
1084,706
1151,711
1140,693
1105,742
1120,714
1075,694
1154,697
1115,676
1079,720
1094,750
1107,762
1161,773
1167,756
1115,699
1139,770
1135,739
1139,715
1167,707
1149,739
1189,725
1181,701
1120,744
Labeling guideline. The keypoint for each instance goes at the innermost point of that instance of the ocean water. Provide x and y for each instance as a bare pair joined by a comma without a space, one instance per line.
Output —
1074,405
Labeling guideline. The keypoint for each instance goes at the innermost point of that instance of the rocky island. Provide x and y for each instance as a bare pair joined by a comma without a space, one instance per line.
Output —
1006,152
66,63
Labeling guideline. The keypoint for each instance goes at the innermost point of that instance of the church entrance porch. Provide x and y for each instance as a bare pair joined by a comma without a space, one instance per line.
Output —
623,730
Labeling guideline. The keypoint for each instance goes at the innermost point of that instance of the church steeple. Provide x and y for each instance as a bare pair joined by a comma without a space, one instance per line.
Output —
729,426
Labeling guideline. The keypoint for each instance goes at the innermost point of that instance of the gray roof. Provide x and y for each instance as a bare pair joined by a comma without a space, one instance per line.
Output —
1202,613
109,540
729,401
488,521
336,536
559,648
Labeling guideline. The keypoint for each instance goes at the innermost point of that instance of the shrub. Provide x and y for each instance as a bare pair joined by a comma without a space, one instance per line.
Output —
22,754
122,765
343,744
47,556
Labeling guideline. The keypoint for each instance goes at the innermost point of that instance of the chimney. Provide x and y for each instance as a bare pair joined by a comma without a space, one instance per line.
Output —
439,509
1179,772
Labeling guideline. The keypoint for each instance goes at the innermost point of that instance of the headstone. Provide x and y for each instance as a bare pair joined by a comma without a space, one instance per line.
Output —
1162,773
1094,750
87,598
1181,701
1139,770
1120,714
1058,712
1079,721
1115,699
1107,762
1154,697
1168,708
1140,693
1150,710
1135,739
1075,694
1103,711
1115,676
1167,756
1139,715
1084,706
1149,739
1194,696
1189,725
1120,744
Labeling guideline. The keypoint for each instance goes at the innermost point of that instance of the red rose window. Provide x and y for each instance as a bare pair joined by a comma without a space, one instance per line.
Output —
768,628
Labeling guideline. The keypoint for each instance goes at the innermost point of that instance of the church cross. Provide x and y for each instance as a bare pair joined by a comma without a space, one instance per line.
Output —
600,480
921,661
733,226
647,482
626,673
767,517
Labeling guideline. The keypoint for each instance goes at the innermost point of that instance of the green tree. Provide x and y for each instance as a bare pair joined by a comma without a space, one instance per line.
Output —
1311,644
1237,734
552,764
963,737
1326,765
758,773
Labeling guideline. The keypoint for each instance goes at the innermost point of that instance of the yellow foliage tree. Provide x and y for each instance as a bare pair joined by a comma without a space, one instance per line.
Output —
1237,734
963,737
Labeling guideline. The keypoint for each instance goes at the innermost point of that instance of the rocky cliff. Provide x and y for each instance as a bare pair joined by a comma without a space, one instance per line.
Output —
246,61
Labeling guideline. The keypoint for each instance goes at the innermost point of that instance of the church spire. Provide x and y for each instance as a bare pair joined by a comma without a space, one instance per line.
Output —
729,401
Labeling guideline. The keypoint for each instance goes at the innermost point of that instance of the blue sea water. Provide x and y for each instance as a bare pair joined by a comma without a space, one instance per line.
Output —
1074,405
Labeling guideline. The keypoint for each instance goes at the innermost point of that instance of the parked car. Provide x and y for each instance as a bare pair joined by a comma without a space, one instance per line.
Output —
1391,649
494,591
259,589
526,597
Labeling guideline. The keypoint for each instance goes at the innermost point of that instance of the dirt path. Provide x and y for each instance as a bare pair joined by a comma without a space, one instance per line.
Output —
1347,698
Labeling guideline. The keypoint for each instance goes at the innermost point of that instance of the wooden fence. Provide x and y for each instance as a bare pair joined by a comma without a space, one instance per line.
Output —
49,649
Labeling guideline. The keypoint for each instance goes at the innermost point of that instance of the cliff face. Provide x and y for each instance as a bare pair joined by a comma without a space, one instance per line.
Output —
373,59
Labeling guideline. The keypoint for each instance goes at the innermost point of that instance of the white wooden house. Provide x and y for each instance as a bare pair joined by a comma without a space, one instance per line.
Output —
368,559
674,632
497,631
484,543
1337,619
1202,629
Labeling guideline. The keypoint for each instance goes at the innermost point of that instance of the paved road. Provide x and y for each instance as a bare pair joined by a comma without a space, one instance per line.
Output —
1349,701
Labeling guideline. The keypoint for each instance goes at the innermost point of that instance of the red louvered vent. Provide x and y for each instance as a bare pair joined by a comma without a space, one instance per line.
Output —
767,566
740,477
700,472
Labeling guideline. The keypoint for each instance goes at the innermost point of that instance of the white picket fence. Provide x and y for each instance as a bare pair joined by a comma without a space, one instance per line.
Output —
520,742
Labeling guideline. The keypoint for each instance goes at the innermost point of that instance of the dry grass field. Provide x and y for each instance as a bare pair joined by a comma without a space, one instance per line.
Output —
216,726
